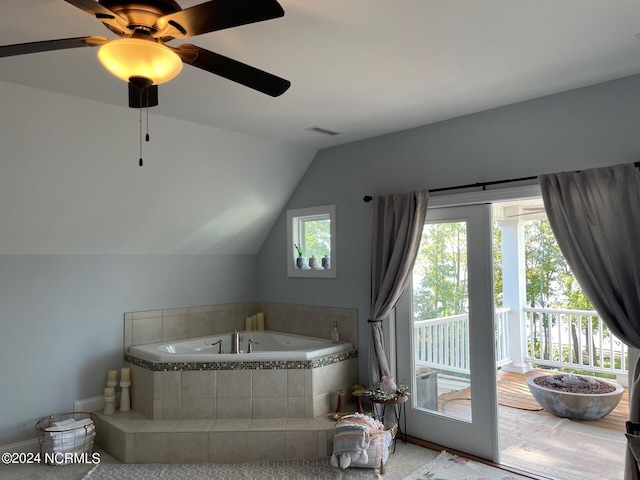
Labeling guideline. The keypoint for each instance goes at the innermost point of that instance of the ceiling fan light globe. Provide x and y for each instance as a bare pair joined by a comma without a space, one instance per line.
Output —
134,57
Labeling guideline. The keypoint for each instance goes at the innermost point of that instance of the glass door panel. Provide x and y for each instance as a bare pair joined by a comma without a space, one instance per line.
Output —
440,308
445,323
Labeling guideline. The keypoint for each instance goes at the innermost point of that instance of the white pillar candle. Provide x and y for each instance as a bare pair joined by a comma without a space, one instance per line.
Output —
125,374
112,376
254,322
248,323
109,392
260,317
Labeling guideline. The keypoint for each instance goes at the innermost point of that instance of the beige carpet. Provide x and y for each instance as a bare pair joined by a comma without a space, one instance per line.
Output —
408,458
559,448
443,466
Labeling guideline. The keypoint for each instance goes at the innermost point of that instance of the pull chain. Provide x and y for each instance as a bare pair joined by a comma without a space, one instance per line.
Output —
147,136
140,162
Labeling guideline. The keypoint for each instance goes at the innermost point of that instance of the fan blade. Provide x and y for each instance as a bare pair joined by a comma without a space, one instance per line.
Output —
232,70
48,45
216,15
102,13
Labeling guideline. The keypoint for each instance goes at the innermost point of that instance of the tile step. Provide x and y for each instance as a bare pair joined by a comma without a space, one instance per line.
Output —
133,438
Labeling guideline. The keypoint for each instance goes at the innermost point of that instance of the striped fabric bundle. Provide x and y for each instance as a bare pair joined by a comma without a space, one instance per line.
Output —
350,443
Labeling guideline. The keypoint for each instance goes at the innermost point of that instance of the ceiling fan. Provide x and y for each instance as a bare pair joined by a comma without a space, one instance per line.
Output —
141,57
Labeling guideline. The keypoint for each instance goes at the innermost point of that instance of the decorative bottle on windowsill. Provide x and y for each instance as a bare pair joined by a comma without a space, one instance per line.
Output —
335,336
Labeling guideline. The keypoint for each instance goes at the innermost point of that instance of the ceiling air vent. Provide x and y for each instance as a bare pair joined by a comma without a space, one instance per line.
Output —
322,131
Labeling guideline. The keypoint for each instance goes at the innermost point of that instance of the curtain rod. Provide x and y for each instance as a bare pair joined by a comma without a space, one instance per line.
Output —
483,185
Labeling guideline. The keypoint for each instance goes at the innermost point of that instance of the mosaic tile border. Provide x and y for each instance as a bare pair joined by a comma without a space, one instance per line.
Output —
260,365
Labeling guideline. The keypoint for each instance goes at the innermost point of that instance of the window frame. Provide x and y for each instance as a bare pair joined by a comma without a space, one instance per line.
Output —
296,219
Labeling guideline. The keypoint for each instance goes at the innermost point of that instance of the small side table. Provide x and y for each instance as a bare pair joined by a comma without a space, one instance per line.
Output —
399,414
338,413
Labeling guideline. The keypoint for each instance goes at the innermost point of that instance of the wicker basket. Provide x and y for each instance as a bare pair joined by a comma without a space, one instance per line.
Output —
378,450
65,437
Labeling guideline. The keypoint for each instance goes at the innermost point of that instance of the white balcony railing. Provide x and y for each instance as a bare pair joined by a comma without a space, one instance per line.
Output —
443,343
576,339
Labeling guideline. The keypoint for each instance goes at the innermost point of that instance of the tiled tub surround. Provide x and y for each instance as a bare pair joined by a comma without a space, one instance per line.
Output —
224,390
221,412
152,326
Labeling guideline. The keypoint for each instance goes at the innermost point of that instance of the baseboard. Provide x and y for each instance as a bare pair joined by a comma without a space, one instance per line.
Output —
92,404
28,446
89,404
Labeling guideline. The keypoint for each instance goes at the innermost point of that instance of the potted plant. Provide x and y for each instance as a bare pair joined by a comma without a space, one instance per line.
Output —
387,392
300,263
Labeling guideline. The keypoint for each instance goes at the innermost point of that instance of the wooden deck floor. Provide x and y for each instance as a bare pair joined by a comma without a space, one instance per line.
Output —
553,450
513,392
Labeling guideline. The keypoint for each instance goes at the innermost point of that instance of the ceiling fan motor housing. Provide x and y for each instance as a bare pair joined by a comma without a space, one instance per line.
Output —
140,15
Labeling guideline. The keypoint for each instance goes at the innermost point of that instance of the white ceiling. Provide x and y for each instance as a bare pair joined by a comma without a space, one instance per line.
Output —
224,159
359,67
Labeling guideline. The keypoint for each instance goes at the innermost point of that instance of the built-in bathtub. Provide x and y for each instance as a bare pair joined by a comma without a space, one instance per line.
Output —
286,375
268,346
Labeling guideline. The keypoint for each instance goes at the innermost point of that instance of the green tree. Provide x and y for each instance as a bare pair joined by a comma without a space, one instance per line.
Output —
317,239
440,272
543,262
497,266
440,279
551,284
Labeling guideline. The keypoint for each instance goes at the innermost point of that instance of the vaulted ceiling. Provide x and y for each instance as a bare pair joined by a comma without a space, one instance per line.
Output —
224,159
361,68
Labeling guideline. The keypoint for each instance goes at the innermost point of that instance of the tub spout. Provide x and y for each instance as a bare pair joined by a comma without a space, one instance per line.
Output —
235,342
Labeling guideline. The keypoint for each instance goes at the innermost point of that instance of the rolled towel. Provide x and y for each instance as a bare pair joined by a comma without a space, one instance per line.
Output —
62,423
74,437
69,435
69,425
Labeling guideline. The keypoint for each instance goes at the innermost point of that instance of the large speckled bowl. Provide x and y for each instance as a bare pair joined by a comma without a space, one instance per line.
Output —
575,406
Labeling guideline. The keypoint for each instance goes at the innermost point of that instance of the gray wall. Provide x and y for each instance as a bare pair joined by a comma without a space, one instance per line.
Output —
70,185
61,315
61,319
588,127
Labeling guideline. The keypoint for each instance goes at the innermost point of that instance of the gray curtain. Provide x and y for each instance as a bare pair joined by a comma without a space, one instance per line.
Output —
398,221
595,217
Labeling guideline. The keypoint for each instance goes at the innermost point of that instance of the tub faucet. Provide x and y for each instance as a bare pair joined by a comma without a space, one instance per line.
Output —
235,342
250,345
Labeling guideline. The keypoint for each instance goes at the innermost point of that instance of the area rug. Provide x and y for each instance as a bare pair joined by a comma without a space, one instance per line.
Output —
271,470
408,458
242,471
451,467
